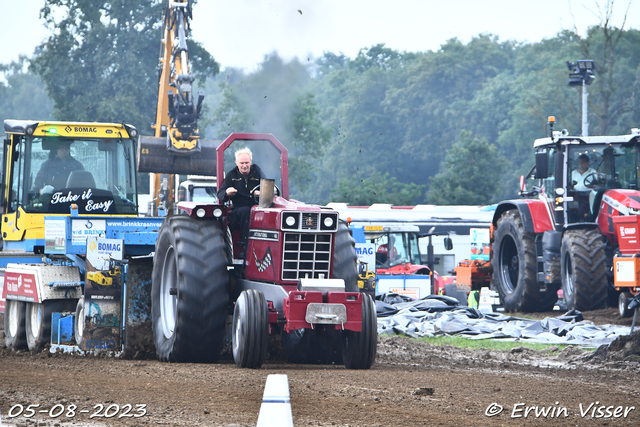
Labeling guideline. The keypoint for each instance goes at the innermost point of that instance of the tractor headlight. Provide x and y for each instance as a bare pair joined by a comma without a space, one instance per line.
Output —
328,221
201,212
217,212
290,220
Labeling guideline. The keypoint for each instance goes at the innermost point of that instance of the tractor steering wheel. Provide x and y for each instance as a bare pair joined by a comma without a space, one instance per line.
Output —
257,188
592,179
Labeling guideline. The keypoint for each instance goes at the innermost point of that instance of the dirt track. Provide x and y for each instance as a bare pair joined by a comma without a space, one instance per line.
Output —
411,384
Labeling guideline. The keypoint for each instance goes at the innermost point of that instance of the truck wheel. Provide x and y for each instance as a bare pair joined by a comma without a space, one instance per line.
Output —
190,290
584,270
359,348
38,321
15,337
623,304
250,329
78,326
514,266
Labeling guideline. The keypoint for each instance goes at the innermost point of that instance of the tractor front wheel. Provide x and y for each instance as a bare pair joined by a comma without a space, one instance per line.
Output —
190,290
250,329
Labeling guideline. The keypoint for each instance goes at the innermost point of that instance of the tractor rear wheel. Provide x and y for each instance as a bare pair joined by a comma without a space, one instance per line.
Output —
325,345
359,348
584,270
345,260
15,337
38,321
514,267
250,329
190,290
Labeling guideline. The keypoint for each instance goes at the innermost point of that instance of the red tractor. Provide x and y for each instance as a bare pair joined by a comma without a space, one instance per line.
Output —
298,278
562,234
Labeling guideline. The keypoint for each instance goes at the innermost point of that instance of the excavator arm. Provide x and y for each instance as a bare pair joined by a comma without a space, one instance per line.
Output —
176,147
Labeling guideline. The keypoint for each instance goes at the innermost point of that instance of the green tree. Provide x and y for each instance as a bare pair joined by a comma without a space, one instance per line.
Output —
378,188
23,96
276,99
100,63
470,174
309,139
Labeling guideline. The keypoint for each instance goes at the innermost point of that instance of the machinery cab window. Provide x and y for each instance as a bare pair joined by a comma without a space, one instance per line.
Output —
593,169
396,248
52,173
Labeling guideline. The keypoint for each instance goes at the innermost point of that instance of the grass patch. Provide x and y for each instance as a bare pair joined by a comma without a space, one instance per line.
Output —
489,344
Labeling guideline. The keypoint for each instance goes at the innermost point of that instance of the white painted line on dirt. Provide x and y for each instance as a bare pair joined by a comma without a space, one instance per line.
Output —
276,406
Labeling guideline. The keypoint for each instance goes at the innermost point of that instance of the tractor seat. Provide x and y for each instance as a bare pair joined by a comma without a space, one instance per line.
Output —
81,179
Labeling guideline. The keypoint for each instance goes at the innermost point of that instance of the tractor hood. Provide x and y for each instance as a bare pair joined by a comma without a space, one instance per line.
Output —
626,202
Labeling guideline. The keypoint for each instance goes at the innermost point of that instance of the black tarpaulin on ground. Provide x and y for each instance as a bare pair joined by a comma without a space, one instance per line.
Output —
436,315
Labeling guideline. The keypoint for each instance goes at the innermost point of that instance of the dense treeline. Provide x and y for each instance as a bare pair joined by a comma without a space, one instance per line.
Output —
454,126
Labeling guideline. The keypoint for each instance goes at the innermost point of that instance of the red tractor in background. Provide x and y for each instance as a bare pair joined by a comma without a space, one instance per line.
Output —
298,278
561,235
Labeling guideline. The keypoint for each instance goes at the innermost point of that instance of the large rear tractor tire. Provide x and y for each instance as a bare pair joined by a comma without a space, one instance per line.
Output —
15,337
250,329
38,321
190,290
324,346
584,270
514,267
345,260
359,348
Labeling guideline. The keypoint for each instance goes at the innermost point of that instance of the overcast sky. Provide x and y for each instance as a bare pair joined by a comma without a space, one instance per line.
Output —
238,33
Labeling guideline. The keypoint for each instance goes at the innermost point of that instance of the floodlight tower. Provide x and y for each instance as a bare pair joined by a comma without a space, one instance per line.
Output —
581,74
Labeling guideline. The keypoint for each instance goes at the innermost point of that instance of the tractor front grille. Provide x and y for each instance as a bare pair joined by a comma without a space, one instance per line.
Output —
310,220
306,256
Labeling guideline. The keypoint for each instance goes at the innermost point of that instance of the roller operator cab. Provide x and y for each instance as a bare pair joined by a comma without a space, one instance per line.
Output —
296,277
562,234
50,166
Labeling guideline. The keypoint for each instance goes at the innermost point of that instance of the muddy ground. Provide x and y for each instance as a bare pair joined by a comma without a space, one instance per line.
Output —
411,384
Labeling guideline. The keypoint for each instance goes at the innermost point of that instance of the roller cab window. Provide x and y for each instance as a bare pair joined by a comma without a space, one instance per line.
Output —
97,175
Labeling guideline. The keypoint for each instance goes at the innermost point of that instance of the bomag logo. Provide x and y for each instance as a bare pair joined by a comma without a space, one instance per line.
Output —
85,129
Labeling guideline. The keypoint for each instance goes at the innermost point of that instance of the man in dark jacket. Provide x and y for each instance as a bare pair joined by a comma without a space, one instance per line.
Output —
54,172
237,187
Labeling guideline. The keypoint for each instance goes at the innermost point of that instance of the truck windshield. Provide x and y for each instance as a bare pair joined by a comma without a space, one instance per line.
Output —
98,175
393,249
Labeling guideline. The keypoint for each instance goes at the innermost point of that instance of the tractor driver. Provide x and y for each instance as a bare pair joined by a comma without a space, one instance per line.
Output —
237,187
55,171
578,175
